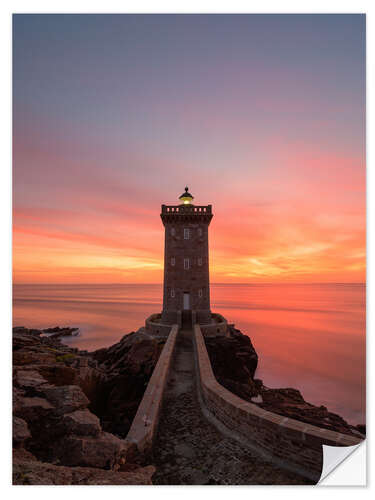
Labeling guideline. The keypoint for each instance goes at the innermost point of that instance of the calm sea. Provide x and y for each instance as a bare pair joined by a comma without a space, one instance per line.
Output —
311,337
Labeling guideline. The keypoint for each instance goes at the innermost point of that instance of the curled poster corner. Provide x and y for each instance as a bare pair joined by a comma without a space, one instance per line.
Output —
344,466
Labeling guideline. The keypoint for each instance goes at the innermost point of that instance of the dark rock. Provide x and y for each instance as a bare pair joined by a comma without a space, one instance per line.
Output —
59,374
258,384
361,428
18,395
58,329
27,357
127,367
20,432
60,392
28,471
65,398
24,340
22,455
232,358
82,423
290,403
243,390
29,379
28,331
102,451
282,396
33,409
58,332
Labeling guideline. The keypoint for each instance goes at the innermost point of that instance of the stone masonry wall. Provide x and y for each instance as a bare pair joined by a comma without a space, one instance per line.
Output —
144,426
217,327
292,444
186,237
154,326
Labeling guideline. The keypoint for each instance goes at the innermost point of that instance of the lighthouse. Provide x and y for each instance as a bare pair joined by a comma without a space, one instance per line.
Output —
186,291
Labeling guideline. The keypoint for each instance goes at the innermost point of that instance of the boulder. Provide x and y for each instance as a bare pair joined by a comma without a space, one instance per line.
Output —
82,423
29,379
102,451
65,398
32,409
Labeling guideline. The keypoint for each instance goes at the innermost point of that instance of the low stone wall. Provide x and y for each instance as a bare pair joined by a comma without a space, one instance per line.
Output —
156,327
218,326
144,426
291,444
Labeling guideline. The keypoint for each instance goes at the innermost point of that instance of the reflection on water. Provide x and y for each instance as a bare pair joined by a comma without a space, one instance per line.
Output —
311,337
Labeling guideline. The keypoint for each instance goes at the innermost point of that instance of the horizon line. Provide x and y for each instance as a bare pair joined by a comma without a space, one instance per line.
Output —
213,283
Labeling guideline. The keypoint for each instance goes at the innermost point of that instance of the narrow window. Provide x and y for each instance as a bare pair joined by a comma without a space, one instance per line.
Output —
173,231
199,231
186,233
199,261
172,293
173,261
186,263
200,293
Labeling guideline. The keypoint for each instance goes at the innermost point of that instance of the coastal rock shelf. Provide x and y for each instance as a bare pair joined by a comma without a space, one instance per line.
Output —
71,409
53,333
130,413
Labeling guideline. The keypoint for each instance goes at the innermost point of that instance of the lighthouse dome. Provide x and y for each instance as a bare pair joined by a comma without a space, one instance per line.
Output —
186,198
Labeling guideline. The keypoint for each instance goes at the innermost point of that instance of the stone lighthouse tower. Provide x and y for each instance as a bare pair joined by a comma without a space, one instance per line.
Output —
186,297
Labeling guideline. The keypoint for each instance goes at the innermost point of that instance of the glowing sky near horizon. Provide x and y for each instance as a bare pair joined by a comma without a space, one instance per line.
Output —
263,116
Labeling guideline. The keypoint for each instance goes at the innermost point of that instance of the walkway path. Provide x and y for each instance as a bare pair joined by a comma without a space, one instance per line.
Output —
189,450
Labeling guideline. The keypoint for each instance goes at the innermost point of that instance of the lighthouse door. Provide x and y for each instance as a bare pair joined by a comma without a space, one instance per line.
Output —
186,300
186,313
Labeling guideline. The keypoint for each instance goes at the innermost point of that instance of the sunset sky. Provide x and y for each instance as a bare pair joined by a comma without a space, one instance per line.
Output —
262,116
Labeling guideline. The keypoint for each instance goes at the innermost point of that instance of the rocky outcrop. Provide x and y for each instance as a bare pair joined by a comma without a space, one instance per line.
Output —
27,470
82,423
72,409
58,332
54,333
234,362
127,367
63,403
290,403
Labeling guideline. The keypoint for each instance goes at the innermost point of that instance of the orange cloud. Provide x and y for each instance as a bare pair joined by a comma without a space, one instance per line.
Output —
298,214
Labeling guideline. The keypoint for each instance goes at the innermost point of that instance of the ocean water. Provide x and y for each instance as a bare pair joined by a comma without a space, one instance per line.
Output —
308,336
